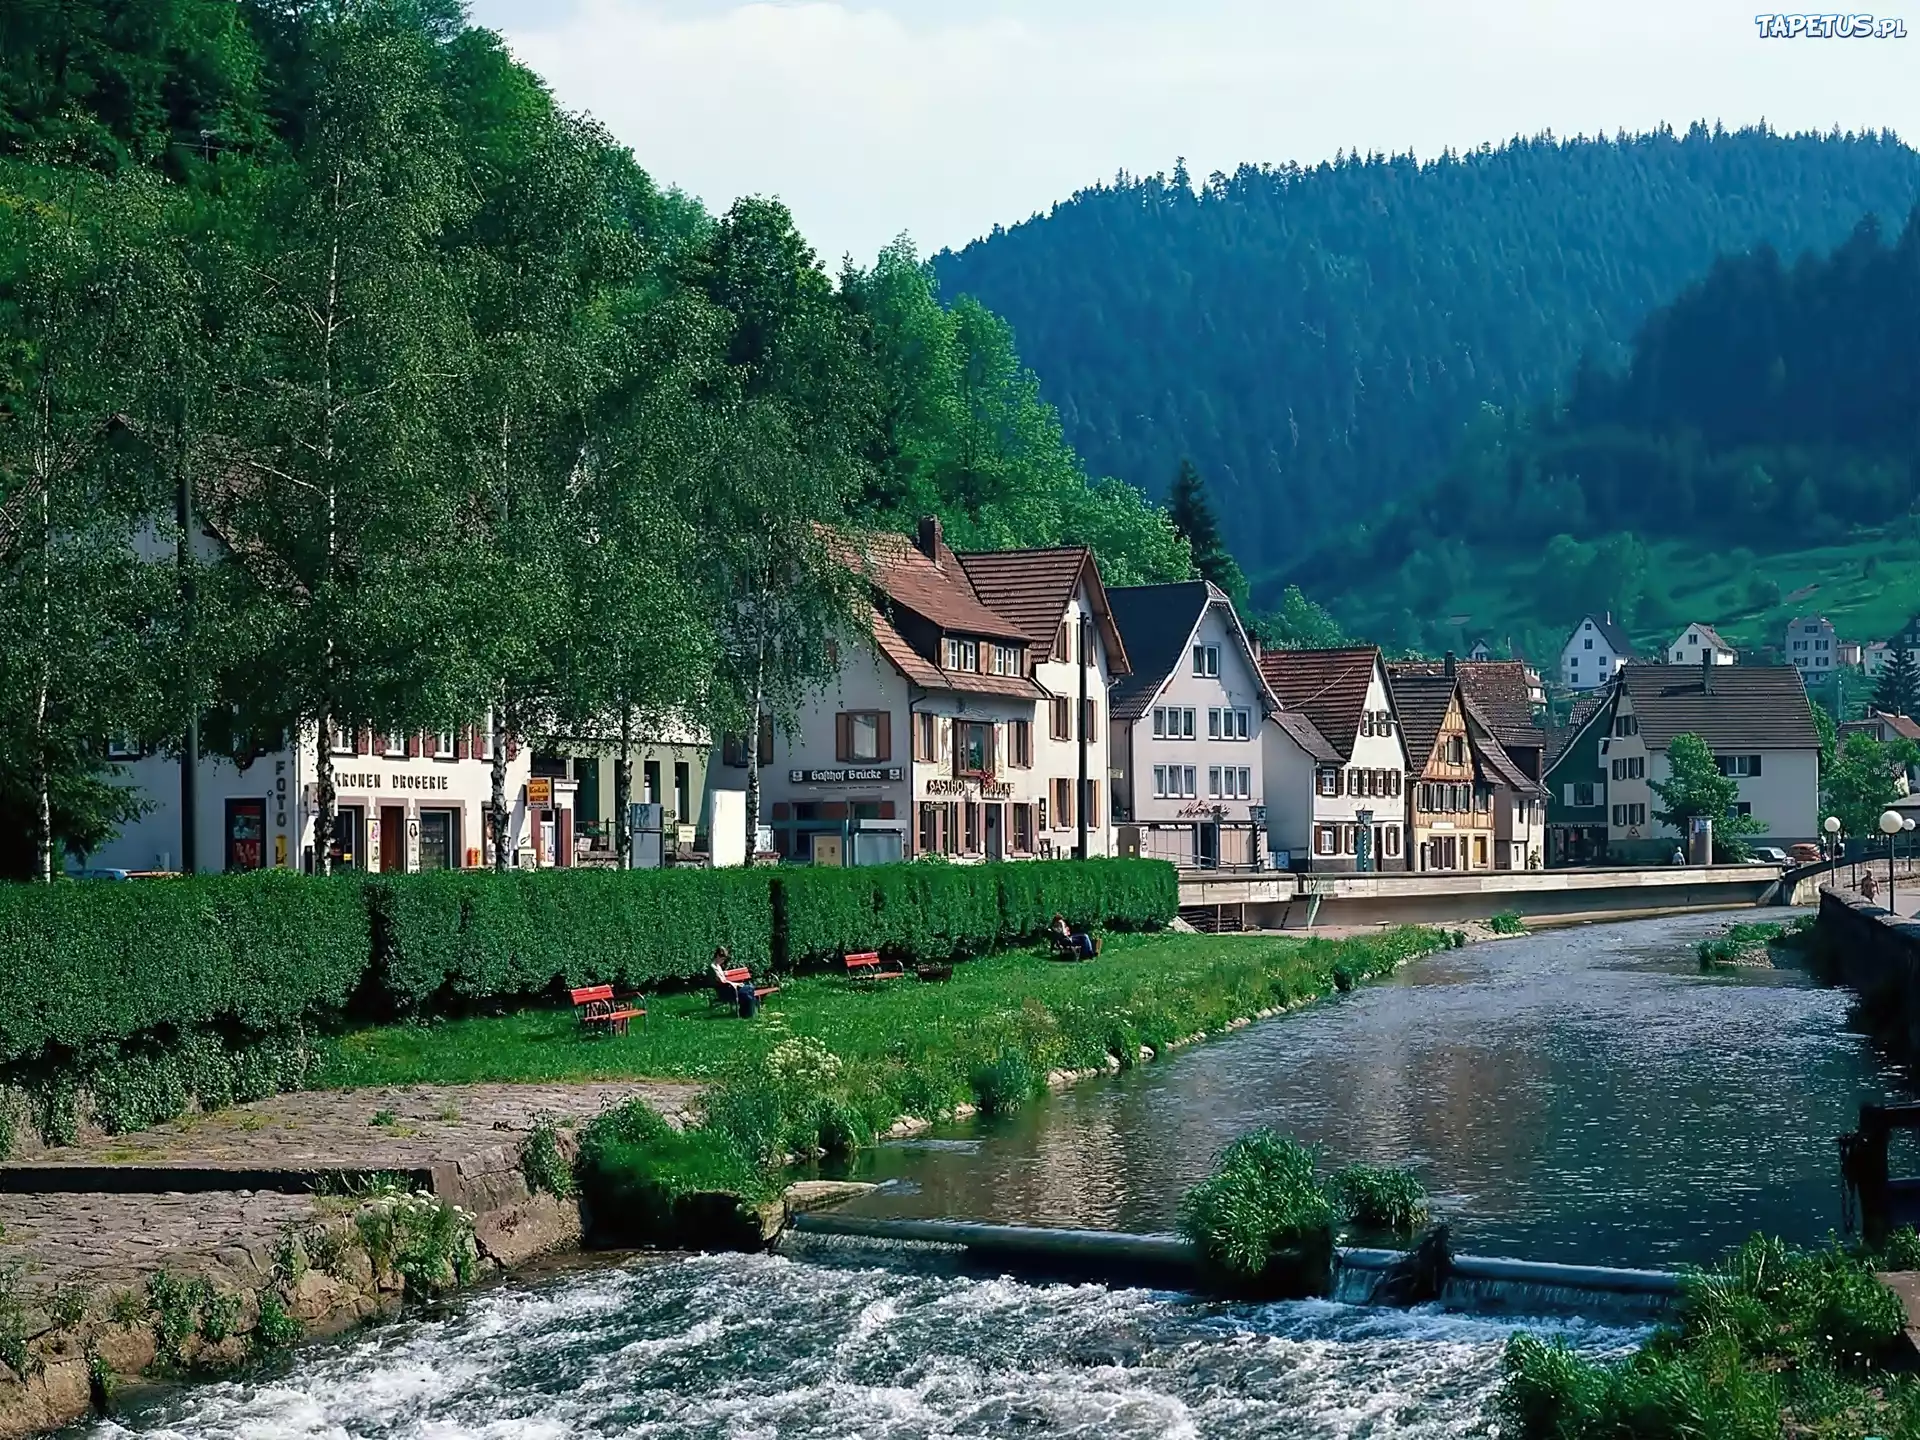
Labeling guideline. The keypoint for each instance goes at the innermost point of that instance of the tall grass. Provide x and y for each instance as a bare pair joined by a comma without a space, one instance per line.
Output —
1265,1196
1380,1197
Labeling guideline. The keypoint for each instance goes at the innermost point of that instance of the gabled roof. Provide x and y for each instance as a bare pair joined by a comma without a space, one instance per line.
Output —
1156,622
938,592
1763,707
1900,725
1493,755
1499,687
1706,633
1615,637
1561,737
1299,729
1422,702
1329,687
1033,588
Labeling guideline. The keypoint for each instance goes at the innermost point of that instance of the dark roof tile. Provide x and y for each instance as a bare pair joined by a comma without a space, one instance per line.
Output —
1328,686
1422,702
1762,706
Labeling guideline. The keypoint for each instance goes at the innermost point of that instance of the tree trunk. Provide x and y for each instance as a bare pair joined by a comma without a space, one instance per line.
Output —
497,804
324,797
623,791
753,757
43,780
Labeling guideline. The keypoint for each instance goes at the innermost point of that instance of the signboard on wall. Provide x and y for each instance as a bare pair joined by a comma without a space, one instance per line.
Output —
539,792
868,775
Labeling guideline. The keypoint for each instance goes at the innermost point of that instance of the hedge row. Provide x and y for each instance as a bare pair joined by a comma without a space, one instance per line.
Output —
95,962
935,912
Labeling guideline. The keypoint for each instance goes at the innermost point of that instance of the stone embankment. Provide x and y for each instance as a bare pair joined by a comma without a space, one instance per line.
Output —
189,1248
1875,953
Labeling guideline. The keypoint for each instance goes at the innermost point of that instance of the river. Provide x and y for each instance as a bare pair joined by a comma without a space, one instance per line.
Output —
1581,1095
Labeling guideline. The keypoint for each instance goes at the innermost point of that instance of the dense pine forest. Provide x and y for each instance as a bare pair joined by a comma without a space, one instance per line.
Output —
1771,407
1316,339
484,420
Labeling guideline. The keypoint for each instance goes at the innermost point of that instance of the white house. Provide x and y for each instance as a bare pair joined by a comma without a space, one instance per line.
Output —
1759,724
927,742
404,802
1594,653
1812,647
1337,761
1188,774
1697,642
1873,656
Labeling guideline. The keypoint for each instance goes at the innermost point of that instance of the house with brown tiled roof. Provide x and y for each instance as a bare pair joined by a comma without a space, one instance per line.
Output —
1187,723
926,740
1336,761
1502,700
1449,785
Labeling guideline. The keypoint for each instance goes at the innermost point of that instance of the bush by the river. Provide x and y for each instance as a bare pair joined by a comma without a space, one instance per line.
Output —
1380,1197
1771,1341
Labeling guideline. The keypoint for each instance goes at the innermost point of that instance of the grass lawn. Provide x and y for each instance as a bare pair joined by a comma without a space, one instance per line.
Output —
919,1044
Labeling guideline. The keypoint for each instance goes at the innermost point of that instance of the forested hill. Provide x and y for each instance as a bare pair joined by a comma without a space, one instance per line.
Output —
1770,412
1315,338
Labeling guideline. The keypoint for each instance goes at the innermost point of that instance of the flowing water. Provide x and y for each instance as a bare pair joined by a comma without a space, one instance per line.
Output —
1582,1095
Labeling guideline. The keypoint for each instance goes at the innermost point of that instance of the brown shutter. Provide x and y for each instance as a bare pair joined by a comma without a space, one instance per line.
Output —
463,743
414,748
842,736
766,739
363,741
884,744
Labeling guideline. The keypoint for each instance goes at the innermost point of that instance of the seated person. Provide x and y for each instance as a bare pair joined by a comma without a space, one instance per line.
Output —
1078,941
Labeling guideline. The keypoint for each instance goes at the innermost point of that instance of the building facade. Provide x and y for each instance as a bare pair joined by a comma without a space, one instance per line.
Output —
1576,786
1594,653
405,801
1697,643
1449,807
1812,647
1188,768
670,762
1338,761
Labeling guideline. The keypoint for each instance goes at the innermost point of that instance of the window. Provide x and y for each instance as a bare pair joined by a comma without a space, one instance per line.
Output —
1186,722
1020,744
970,829
1580,793
1456,750
439,839
1743,766
1626,725
963,655
485,747
1390,840
1243,724
1159,722
1742,807
925,741
1243,783
395,743
1160,782
1063,718
123,747
1187,790
972,747
1329,782
1063,804
343,740
1619,817
1213,724
1678,656
1023,829
1588,644
1173,723
1480,850
1089,720
1225,724
443,745
1213,782
1206,660
1006,660
863,735
928,841
1326,840
1633,767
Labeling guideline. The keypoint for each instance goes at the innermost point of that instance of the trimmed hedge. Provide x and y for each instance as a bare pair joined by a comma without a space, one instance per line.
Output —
937,912
88,962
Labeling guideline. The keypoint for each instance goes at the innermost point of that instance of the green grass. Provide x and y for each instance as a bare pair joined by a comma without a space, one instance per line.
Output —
918,1044
1380,1197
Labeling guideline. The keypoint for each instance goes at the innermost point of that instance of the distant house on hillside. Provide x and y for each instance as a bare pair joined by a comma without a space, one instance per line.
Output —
1593,653
1812,646
1481,650
1873,656
1880,726
1695,642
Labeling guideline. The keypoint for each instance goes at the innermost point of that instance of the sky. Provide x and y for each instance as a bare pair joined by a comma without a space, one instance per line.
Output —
943,118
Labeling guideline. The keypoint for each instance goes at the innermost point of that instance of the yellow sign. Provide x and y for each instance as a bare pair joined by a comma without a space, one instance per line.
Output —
539,792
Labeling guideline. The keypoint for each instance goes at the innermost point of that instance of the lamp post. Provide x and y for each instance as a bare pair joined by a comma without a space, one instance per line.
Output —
1832,826
1907,825
1891,824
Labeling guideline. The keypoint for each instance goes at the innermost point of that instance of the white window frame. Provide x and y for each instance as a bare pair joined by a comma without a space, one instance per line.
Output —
870,719
122,747
347,733
1160,782
1213,782
444,747
1206,662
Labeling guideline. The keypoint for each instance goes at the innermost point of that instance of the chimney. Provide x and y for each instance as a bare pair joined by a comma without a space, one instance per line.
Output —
1450,662
1706,670
928,540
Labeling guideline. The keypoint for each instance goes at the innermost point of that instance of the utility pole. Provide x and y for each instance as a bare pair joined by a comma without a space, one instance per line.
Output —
1080,810
190,741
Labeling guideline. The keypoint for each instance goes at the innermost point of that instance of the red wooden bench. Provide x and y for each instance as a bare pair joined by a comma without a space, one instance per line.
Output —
601,1009
866,966
725,983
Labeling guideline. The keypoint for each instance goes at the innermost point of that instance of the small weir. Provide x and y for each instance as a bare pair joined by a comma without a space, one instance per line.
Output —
1475,1284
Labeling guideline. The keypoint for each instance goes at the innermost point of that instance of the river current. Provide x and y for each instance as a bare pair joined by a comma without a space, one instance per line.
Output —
1579,1095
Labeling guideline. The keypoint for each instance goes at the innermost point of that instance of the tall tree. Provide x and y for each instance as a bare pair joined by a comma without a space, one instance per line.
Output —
1865,778
1897,690
344,492
1191,510
1695,789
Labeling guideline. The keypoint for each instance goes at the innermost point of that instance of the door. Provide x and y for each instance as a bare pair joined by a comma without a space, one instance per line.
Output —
439,842
828,850
996,832
1209,843
347,851
246,834
393,839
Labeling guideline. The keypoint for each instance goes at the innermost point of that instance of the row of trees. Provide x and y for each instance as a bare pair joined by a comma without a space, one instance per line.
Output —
346,380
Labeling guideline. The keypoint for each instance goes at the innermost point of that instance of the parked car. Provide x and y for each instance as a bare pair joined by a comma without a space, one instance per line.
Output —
1805,854
1768,855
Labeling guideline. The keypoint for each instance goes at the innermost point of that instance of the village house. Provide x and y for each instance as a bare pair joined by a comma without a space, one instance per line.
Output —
1885,728
1188,724
671,761
1336,762
405,801
925,742
1812,647
1576,786
1504,701
1758,722
1873,656
1449,805
1695,643
1594,653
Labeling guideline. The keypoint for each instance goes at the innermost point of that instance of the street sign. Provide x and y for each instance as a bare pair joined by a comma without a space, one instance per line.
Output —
539,792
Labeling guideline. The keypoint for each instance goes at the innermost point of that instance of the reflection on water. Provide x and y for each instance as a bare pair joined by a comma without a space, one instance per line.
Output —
754,1348
1579,1095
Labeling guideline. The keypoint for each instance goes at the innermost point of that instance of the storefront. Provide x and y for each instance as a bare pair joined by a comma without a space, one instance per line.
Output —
841,815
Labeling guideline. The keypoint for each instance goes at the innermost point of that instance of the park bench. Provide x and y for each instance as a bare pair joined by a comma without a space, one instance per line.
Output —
1065,949
726,985
865,965
601,1010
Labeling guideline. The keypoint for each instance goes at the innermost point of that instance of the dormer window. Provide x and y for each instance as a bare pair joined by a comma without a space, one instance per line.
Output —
1006,660
963,655
1206,661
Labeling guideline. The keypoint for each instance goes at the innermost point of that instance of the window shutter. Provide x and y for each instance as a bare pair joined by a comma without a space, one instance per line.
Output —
884,730
413,745
1086,721
1753,764
842,736
766,739
463,744
363,741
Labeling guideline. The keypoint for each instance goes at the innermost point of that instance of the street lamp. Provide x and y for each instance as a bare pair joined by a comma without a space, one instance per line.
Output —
1832,826
1891,824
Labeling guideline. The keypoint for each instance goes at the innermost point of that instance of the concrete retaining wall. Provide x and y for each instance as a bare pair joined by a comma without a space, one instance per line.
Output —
1876,954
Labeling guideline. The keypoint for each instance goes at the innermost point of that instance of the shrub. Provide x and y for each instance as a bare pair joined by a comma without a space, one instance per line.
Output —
1264,1196
1507,922
639,1175
276,1329
1380,1197
1005,1083
545,1168
1902,1250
